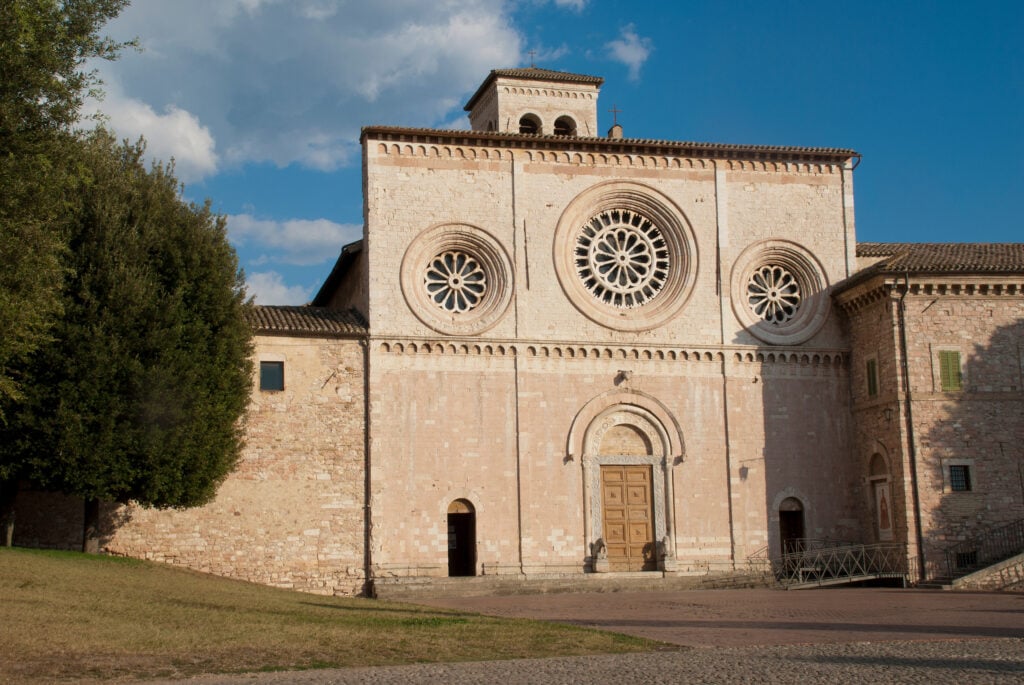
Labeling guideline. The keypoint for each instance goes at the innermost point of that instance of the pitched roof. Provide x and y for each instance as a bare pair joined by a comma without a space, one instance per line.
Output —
944,257
334,279
625,145
306,320
532,74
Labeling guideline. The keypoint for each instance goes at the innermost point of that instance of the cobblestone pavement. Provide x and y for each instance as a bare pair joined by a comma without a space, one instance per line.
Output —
935,662
742,636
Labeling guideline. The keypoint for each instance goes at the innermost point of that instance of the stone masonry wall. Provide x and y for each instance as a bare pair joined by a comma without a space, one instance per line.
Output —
291,514
981,425
490,417
518,197
879,421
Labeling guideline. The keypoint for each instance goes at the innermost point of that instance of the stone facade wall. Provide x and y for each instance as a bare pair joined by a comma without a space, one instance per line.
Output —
490,415
980,426
291,514
879,420
451,418
519,196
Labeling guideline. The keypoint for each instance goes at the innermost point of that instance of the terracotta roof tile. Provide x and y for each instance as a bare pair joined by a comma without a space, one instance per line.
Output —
306,320
536,73
945,257
732,151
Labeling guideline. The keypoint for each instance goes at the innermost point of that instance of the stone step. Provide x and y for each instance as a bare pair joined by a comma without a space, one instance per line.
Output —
428,587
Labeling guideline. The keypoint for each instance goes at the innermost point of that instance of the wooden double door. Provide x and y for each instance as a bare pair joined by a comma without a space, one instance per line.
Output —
627,506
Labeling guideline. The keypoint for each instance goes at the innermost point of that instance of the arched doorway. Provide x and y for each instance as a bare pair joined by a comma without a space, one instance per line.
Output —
881,493
461,538
627,488
791,525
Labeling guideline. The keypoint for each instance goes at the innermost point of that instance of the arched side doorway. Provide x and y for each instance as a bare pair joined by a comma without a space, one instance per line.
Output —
881,494
461,538
791,525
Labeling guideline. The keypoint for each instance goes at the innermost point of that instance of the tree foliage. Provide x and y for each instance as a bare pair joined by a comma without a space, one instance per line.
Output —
44,47
140,392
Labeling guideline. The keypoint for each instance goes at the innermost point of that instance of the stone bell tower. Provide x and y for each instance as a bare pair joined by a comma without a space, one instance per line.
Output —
536,101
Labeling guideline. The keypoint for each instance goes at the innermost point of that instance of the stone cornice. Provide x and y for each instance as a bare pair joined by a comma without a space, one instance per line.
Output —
562,350
825,157
884,286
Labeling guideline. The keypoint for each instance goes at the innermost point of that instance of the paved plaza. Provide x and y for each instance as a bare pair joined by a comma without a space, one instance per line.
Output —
743,636
744,618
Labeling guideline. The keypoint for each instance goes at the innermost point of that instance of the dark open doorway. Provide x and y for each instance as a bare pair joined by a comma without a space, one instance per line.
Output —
791,525
461,539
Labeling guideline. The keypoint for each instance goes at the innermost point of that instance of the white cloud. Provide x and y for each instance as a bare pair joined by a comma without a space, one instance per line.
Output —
268,287
630,49
292,81
577,5
296,241
175,134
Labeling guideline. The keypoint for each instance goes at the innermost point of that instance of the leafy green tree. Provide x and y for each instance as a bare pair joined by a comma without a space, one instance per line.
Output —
141,390
44,45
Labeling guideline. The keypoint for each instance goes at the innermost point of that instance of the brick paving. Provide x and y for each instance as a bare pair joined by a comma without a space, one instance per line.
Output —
741,636
742,618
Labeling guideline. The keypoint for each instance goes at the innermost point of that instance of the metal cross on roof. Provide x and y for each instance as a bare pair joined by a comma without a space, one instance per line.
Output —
615,114
532,54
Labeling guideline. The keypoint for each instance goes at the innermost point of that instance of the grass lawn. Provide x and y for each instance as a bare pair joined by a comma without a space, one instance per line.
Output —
65,615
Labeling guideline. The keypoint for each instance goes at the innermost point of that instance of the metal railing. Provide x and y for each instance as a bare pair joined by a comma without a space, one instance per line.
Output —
815,563
988,548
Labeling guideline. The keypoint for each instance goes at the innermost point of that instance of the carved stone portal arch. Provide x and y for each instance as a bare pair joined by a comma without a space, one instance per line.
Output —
631,435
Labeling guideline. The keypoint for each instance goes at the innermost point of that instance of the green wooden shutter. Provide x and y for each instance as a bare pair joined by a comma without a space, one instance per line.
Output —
949,370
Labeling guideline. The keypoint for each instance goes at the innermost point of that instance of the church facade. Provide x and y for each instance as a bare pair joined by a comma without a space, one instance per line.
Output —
555,353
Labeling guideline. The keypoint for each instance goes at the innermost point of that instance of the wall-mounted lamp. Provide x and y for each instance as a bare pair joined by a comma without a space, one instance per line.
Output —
887,413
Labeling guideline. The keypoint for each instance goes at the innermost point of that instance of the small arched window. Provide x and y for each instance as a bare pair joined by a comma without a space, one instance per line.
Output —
565,126
529,123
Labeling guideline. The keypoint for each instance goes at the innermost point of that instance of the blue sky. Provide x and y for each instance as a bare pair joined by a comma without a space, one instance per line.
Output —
260,102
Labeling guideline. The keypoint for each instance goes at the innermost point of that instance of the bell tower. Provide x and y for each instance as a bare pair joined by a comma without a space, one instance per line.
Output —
536,101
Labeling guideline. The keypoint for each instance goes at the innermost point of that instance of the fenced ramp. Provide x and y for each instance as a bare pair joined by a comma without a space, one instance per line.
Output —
820,563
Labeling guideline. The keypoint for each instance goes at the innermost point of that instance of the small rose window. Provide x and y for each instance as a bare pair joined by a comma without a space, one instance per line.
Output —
773,293
455,281
779,292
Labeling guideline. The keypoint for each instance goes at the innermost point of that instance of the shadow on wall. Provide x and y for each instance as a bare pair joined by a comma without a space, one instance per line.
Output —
810,481
971,447
52,520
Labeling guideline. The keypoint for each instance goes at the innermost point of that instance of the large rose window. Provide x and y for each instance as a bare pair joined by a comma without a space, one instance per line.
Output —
625,256
622,258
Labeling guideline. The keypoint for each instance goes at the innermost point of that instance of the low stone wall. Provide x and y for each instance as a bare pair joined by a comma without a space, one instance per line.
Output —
1006,575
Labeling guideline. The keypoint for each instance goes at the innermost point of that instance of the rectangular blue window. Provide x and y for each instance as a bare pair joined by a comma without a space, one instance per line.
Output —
271,375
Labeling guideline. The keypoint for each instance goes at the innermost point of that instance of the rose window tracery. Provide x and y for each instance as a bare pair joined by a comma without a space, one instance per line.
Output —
773,294
455,281
779,292
622,258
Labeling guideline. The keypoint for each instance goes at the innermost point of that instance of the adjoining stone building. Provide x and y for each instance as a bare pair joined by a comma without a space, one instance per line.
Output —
554,353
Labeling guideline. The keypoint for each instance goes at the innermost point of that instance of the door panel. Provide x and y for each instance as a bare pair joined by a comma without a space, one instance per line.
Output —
628,520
